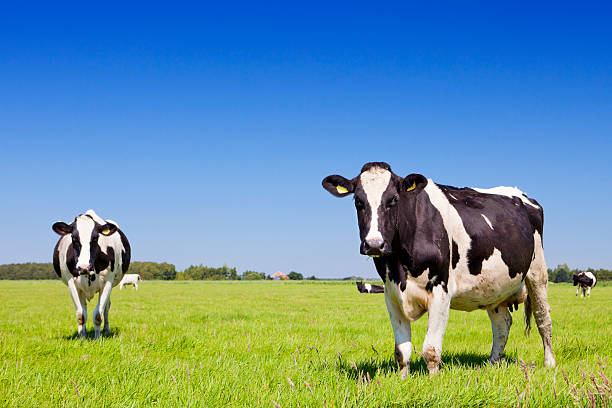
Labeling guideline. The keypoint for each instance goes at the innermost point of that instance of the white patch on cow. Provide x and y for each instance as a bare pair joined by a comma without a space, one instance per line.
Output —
508,192
374,183
95,216
487,220
84,226
454,198
368,287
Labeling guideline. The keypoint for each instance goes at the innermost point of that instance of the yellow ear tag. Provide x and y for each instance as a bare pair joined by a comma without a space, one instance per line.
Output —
374,256
342,190
412,187
106,231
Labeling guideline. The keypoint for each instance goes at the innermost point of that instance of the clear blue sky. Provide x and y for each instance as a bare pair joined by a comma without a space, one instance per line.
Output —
205,131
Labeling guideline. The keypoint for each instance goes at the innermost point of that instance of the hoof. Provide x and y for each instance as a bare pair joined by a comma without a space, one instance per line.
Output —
403,372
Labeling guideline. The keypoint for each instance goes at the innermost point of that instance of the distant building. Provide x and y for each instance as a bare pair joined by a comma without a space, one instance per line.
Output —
279,276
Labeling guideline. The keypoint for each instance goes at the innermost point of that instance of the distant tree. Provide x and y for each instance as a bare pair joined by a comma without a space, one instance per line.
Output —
311,278
252,275
202,272
562,273
295,276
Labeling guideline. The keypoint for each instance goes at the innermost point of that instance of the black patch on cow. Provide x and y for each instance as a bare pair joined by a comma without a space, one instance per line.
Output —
126,253
583,280
56,261
422,240
71,260
455,254
370,165
514,224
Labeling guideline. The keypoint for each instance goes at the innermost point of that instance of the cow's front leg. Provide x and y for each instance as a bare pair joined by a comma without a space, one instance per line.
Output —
501,320
80,305
577,290
439,308
101,306
402,334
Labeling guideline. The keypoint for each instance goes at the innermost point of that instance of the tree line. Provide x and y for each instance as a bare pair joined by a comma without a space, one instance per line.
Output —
166,271
147,271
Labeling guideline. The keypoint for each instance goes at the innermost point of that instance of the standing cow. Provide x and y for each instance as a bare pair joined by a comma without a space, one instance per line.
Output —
438,247
91,257
585,281
130,279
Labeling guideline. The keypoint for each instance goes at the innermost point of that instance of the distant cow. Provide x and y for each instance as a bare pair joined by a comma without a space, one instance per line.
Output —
91,257
439,247
585,281
369,288
130,279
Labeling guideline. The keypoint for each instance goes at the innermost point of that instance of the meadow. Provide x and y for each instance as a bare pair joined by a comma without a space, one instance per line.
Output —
285,344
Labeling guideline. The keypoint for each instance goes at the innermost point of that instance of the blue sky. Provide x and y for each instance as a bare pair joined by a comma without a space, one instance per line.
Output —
205,131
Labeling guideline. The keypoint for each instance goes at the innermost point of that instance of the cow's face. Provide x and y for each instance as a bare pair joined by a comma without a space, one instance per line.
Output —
84,232
376,193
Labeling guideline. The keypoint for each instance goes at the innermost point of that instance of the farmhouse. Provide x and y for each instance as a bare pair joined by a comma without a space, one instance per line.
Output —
279,276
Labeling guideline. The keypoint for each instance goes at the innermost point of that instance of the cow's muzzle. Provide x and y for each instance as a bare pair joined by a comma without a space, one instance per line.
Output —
373,247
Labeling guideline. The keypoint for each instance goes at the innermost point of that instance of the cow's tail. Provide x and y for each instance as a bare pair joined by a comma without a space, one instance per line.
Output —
528,313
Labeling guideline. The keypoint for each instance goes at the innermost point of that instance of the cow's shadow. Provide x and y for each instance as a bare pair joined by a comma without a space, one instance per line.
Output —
114,332
374,366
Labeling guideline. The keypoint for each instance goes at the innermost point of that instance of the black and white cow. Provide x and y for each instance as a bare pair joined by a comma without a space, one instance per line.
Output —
91,257
369,288
438,247
585,281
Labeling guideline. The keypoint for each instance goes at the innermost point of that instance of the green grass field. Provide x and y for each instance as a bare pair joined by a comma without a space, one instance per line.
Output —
285,344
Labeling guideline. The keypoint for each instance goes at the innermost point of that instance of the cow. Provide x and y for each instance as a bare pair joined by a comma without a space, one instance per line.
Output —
91,257
438,247
585,281
130,279
369,288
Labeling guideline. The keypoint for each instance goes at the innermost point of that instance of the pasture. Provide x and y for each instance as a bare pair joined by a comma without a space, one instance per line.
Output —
287,344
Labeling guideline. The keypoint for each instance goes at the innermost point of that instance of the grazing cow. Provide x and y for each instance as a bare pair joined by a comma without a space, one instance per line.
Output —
438,247
369,288
130,279
91,257
585,281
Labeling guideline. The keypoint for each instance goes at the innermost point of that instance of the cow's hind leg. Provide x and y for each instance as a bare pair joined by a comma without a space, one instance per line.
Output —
501,320
106,329
403,336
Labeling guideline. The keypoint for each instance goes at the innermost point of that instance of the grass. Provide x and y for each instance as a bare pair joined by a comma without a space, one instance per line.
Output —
285,344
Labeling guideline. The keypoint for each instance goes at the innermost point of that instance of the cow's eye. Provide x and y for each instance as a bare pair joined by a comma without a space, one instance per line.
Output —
392,201
359,203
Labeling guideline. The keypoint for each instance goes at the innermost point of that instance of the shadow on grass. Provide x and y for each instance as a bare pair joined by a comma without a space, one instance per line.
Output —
90,335
374,366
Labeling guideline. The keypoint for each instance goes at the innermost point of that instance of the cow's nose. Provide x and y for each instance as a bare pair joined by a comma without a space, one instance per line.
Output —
374,243
83,269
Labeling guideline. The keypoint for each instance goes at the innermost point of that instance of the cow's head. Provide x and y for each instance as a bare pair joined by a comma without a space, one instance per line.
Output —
379,193
84,232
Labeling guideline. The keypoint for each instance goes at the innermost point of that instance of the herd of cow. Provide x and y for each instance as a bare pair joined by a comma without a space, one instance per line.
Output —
435,247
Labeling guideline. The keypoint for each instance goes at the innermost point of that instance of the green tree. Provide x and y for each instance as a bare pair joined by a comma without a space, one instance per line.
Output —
295,276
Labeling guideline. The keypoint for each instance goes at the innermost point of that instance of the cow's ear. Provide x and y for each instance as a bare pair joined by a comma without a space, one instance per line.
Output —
107,229
62,228
413,183
338,185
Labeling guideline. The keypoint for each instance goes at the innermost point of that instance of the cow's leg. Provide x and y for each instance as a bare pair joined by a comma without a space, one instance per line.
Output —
581,291
402,334
136,286
536,288
106,329
588,291
577,290
101,306
501,320
80,305
121,286
439,308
